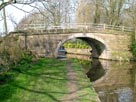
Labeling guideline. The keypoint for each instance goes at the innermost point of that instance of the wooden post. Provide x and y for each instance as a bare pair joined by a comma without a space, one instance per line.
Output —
122,29
104,26
5,20
26,41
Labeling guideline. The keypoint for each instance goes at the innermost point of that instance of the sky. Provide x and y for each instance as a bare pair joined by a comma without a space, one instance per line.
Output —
15,13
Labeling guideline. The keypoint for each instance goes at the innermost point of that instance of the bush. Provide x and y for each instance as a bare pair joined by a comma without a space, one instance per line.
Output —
9,48
76,44
133,49
26,57
133,46
11,54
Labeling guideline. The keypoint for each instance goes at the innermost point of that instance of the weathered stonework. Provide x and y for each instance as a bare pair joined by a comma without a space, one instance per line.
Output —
105,46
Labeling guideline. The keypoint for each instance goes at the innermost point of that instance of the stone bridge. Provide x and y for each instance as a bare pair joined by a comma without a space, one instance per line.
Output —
107,42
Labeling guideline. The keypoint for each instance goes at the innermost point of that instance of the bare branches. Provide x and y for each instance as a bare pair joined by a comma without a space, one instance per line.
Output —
3,4
25,2
23,9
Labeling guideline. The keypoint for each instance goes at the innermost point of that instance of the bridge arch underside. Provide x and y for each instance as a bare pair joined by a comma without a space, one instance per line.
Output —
99,47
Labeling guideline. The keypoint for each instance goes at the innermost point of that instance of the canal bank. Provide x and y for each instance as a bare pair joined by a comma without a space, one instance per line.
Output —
112,80
47,80
79,87
118,84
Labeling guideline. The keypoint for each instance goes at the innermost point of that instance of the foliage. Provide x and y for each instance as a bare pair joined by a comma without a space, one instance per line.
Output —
87,92
110,12
76,44
84,13
43,80
10,55
85,64
52,12
133,46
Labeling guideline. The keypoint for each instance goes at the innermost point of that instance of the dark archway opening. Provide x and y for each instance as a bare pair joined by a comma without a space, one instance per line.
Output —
97,47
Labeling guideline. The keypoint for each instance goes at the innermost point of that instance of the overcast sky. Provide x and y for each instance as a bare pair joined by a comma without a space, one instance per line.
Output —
15,13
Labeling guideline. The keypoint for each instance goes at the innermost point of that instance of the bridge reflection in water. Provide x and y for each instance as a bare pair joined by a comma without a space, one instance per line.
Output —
114,81
78,56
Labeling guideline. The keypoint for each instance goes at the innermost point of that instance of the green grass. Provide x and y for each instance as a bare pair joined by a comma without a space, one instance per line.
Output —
40,81
87,93
44,80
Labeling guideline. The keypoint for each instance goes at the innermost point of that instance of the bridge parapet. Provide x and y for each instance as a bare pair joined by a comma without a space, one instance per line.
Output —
74,27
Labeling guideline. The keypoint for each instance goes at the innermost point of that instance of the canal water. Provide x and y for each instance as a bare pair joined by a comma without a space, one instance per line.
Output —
113,81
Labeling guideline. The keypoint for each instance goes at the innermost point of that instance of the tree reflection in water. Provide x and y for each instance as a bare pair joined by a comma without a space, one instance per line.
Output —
96,71
114,81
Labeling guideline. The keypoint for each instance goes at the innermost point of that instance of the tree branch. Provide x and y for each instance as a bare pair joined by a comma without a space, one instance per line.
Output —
22,9
5,4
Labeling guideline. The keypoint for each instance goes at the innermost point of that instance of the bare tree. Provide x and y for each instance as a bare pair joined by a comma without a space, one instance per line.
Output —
89,11
54,12
131,11
113,10
6,3
85,11
131,14
97,10
57,10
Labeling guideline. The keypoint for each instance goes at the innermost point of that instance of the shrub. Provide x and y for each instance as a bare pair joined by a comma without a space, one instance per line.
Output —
133,49
11,53
133,46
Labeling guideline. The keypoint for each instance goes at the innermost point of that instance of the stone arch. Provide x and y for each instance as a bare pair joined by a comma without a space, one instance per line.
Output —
100,48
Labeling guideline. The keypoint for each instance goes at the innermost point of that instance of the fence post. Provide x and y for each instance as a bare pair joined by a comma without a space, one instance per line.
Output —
104,26
122,29
25,40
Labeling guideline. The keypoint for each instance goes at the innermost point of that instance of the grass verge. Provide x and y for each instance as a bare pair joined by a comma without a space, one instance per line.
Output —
86,93
44,80
40,81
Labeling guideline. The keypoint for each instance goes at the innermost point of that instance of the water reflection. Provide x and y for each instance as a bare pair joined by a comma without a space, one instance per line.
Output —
78,56
96,70
125,95
113,81
116,84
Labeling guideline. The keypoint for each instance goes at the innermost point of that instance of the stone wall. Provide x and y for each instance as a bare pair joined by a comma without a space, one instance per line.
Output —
104,46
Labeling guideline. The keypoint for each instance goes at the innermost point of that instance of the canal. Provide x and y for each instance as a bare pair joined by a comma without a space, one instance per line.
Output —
113,81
